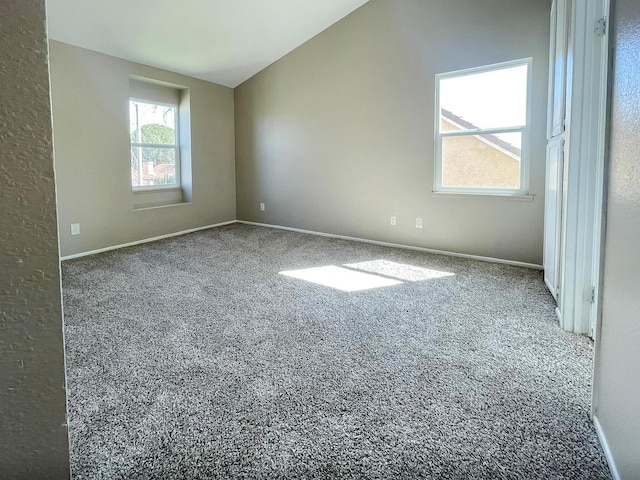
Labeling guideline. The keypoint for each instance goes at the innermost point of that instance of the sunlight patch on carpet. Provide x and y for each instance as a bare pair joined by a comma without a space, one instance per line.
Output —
354,277
400,271
341,278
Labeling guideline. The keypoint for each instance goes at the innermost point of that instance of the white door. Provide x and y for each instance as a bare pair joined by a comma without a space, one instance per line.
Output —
558,50
556,125
553,214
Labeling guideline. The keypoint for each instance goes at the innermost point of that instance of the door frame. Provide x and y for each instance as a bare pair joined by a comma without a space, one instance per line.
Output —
584,168
601,212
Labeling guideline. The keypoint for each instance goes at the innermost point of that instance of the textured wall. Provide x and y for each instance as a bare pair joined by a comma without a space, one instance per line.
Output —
90,94
472,162
339,135
618,369
33,432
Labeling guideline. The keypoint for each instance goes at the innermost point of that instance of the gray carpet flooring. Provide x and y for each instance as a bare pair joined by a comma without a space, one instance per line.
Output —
194,357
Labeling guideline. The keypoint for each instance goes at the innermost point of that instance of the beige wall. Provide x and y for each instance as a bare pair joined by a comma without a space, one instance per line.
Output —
33,430
90,93
338,135
618,359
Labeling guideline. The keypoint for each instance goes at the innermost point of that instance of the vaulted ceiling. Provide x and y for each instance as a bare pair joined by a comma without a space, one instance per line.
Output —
222,41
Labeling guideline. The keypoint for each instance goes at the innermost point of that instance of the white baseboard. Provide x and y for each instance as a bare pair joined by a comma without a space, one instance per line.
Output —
309,232
398,245
145,240
606,449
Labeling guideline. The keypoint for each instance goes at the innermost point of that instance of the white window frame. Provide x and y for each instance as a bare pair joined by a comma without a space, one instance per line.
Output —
175,147
523,129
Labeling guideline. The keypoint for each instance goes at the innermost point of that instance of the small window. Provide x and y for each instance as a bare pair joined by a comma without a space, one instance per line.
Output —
482,129
155,150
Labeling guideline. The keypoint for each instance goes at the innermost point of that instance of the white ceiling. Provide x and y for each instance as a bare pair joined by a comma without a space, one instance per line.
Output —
222,41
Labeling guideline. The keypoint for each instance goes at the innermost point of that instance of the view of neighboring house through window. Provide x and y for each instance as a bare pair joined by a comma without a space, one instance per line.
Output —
155,151
482,129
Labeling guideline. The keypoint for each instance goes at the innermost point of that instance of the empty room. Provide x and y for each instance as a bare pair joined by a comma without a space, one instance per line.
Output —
299,239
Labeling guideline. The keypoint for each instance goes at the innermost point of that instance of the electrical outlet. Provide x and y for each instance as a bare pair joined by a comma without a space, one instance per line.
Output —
418,222
262,207
75,229
393,220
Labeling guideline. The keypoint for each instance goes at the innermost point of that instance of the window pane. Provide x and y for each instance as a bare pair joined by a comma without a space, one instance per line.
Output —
153,166
150,123
482,161
484,100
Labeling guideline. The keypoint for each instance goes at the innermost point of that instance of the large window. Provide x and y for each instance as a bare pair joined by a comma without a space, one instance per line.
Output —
482,129
155,150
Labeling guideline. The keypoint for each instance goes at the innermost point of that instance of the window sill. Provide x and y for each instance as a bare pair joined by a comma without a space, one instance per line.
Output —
162,197
143,191
522,197
154,207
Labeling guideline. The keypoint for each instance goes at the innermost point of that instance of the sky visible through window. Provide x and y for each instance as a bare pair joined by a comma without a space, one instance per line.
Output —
491,99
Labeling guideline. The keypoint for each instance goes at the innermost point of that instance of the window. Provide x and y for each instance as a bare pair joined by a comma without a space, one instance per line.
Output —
482,129
155,150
